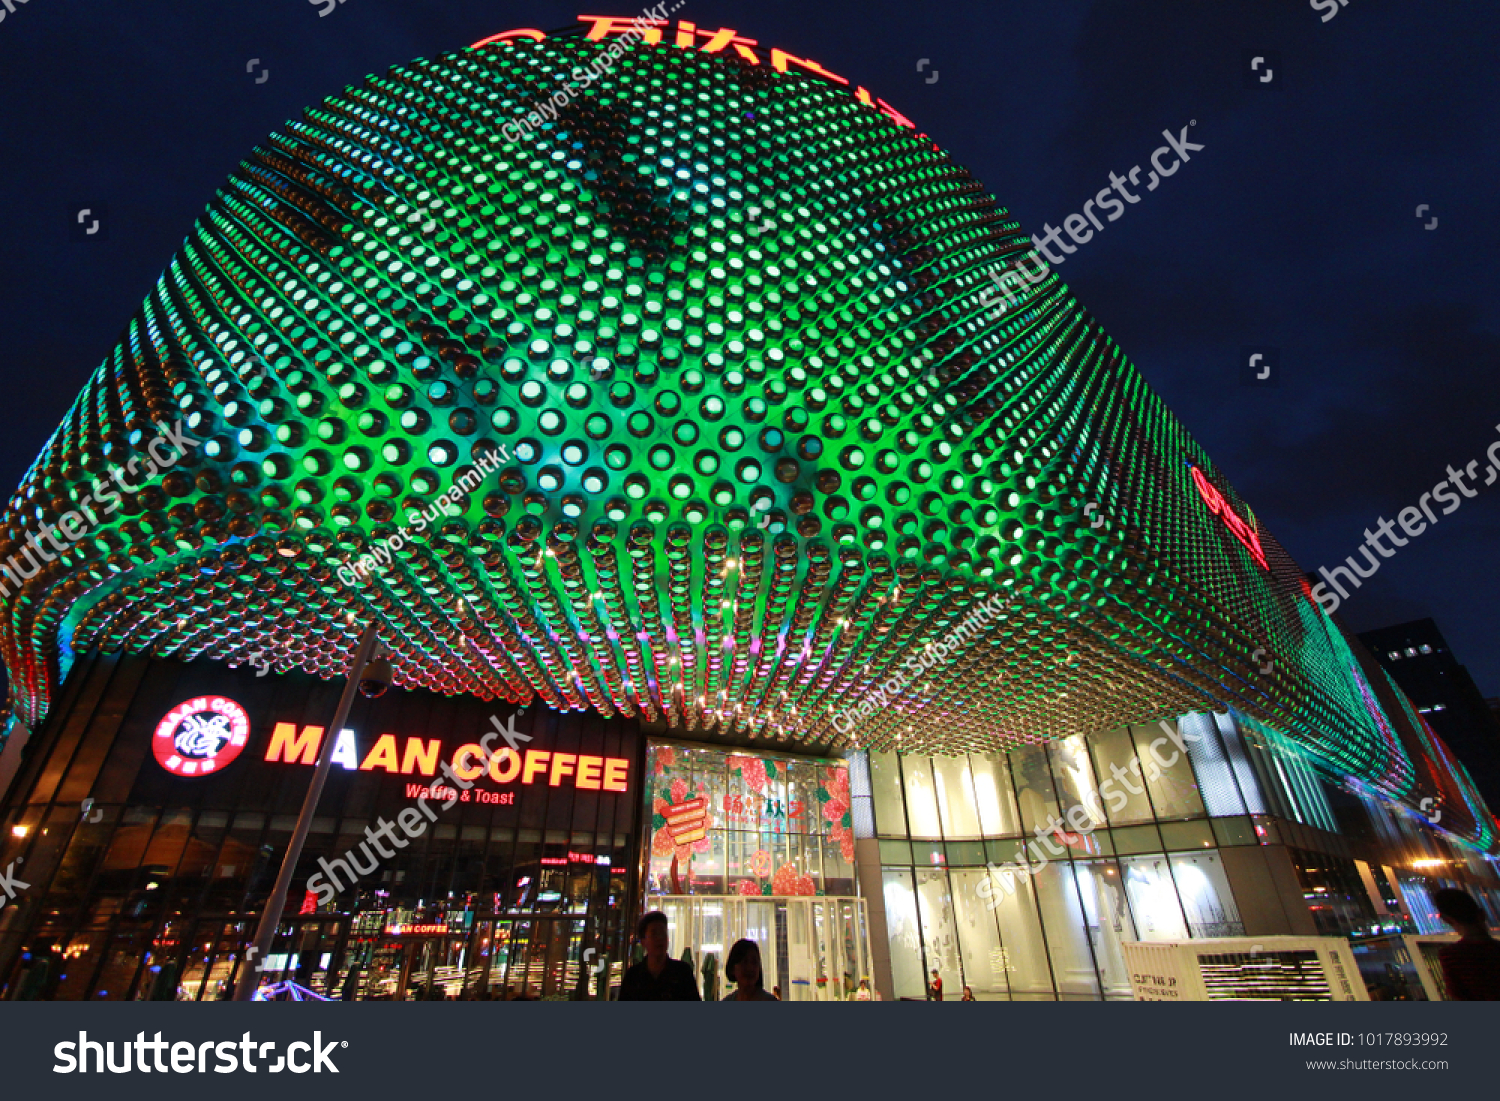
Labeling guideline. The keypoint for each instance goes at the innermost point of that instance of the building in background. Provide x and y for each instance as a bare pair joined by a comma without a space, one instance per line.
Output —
1421,662
681,425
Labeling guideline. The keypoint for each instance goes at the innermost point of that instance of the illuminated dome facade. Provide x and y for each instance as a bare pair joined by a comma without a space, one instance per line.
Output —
690,403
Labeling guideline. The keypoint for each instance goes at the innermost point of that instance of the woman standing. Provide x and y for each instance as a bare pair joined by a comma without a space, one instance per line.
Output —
743,969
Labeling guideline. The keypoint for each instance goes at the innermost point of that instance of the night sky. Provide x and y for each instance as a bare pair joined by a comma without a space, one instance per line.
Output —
1294,229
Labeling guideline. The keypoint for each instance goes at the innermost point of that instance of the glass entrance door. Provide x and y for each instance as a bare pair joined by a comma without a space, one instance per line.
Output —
814,949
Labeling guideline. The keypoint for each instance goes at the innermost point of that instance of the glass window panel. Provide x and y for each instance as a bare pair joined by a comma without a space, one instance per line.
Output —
885,784
921,798
1023,952
895,852
1234,831
1153,898
906,939
838,868
928,854
955,797
965,852
1108,916
1137,839
1034,791
1187,835
939,935
1206,898
978,936
995,799
1124,795
1168,774
1221,792
1067,934
1082,805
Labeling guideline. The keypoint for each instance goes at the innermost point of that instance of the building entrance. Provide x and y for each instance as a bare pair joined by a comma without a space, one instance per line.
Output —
814,949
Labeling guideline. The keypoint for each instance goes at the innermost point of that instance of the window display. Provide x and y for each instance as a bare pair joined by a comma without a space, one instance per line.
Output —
1207,902
1168,774
907,972
955,797
1153,898
1067,933
740,823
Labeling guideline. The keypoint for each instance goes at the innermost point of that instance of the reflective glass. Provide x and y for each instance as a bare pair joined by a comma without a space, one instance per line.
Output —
1153,898
921,797
955,797
994,797
1207,901
904,932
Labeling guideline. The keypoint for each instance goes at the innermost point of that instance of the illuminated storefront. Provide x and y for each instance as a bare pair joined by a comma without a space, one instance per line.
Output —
677,411
149,873
749,844
1173,853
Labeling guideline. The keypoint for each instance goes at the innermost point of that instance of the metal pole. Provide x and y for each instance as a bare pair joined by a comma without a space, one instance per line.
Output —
270,917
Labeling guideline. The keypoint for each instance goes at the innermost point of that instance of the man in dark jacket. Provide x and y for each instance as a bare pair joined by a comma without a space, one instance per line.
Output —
658,977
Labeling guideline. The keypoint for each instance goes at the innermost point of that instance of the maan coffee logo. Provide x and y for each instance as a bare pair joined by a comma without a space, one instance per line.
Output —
201,736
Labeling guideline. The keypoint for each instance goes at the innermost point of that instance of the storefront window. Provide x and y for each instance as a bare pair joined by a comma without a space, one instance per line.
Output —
885,791
907,973
1023,951
1101,887
984,963
1168,774
741,823
1034,790
955,797
993,795
1075,783
1207,901
1067,934
1153,898
939,936
921,797
1124,794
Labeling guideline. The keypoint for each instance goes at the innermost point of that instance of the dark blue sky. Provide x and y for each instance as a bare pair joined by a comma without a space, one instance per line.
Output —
1294,228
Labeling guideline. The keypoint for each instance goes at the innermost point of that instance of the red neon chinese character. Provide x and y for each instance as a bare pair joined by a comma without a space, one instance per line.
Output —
648,29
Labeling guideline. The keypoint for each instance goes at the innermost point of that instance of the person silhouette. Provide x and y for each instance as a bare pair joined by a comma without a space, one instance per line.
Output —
743,969
658,977
1471,968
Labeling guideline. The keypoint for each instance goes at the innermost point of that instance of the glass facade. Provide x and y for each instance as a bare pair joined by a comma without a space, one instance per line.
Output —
733,821
1117,833
151,839
757,845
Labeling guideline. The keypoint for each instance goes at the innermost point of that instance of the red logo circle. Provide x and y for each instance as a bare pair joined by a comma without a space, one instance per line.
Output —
201,735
